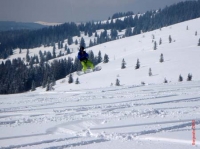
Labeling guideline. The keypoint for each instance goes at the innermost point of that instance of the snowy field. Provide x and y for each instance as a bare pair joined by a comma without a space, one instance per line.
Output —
142,117
96,114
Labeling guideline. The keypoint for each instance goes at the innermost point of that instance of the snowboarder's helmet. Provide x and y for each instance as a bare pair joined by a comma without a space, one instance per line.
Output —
82,48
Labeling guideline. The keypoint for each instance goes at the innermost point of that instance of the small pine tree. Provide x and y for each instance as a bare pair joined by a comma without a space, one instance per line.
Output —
82,42
48,86
70,79
33,86
160,42
165,80
170,39
161,58
187,28
77,81
65,47
199,42
53,80
155,45
106,59
153,36
180,79
137,64
117,82
99,57
20,51
150,72
189,78
76,42
123,64
91,43
27,56
68,51
196,33
95,34
54,52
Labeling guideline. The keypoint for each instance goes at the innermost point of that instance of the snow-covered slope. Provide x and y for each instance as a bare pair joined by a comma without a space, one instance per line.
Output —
181,56
96,115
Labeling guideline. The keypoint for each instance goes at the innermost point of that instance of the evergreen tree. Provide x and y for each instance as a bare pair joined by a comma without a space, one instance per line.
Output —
123,64
54,47
48,86
153,36
170,39
68,51
54,53
70,79
180,79
113,34
106,59
65,47
48,56
89,32
199,42
95,34
20,51
117,82
53,81
82,43
155,45
189,78
77,81
36,59
27,56
99,57
77,65
59,46
196,33
187,28
76,42
161,58
137,64
150,72
165,80
128,32
160,42
91,43
60,54
33,86
95,41
70,40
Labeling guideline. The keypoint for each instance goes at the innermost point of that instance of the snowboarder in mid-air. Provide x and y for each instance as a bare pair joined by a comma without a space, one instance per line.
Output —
83,57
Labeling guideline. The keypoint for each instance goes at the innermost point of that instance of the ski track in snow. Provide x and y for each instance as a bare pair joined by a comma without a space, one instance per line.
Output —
104,115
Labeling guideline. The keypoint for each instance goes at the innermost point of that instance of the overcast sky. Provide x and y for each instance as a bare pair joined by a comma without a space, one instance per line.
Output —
60,11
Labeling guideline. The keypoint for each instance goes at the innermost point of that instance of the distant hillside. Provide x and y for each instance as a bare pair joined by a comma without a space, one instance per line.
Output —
133,24
11,25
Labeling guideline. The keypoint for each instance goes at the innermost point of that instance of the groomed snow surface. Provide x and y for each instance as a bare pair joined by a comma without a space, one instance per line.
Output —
95,114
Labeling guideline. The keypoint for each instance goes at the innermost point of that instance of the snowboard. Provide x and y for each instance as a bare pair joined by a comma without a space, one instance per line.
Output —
97,68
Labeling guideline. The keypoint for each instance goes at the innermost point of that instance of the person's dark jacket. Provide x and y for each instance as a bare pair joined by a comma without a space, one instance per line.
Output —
82,56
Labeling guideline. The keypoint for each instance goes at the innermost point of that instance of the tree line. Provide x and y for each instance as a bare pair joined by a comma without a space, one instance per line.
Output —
26,39
17,77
